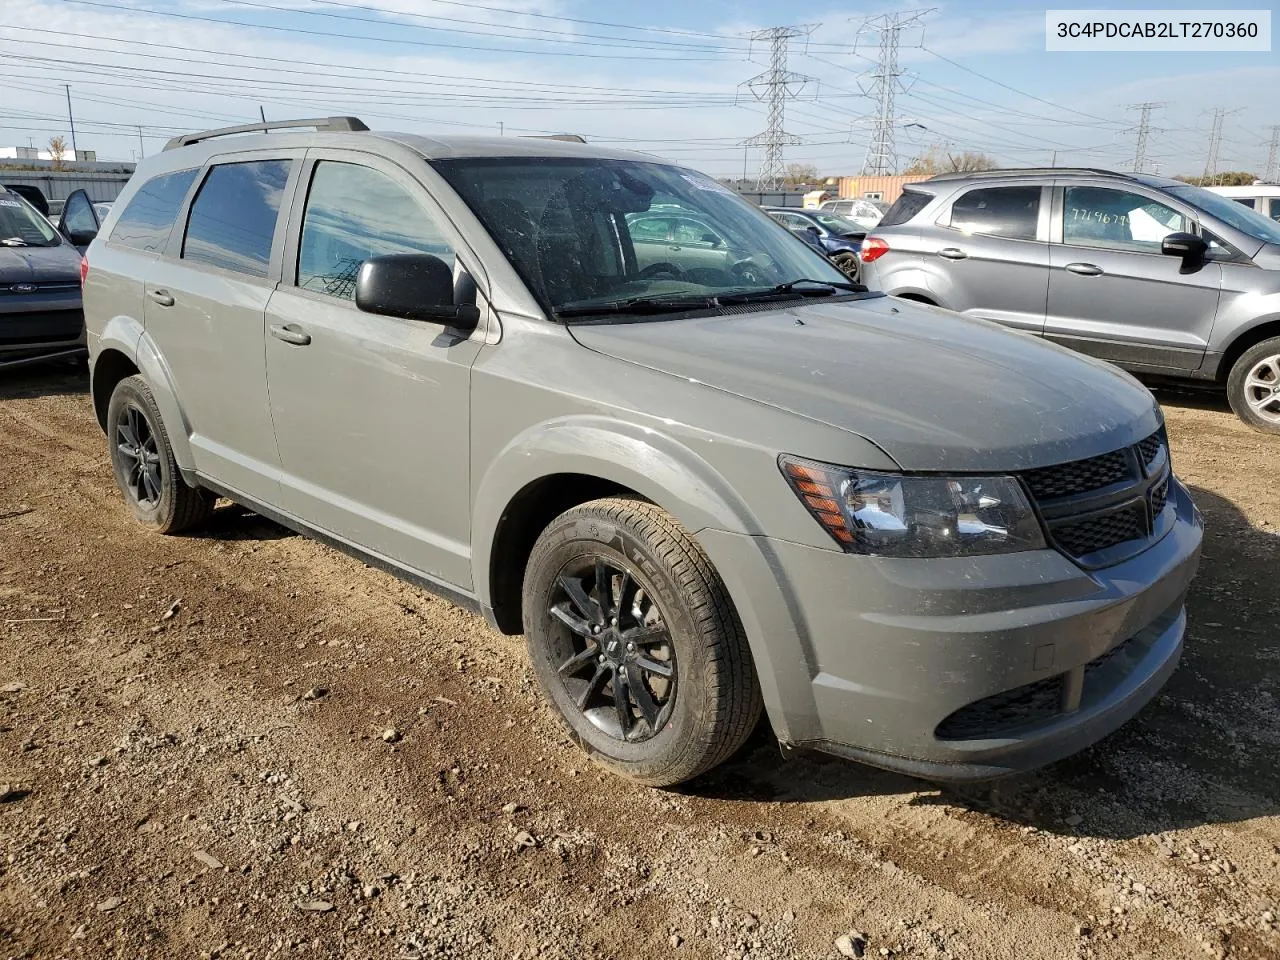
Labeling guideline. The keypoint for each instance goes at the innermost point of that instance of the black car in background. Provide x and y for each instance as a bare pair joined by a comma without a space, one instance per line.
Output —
40,311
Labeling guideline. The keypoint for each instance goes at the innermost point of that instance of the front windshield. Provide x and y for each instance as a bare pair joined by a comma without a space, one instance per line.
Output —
22,226
1229,212
586,232
838,224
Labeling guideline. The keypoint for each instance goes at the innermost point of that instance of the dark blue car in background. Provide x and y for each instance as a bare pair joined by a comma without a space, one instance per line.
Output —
829,233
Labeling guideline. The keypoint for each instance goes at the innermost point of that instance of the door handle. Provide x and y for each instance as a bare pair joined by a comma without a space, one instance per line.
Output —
952,253
162,297
1084,269
290,334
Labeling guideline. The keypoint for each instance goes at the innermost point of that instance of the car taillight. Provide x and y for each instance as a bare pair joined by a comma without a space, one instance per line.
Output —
873,248
84,270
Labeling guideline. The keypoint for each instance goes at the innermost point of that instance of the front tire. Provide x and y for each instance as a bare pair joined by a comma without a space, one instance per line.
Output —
142,459
635,643
1253,387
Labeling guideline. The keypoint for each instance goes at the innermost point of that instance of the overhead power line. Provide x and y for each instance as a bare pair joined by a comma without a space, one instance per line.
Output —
1143,131
885,80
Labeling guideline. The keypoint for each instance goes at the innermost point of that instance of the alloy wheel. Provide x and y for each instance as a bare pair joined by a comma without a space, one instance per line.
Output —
140,457
1262,388
621,673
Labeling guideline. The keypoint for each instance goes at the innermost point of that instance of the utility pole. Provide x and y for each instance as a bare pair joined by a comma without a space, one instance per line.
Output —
262,113
775,87
501,133
1271,174
1215,145
881,84
1143,130
75,153
142,150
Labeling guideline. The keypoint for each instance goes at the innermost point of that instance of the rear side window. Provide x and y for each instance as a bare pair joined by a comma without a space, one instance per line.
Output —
233,217
998,212
907,206
147,220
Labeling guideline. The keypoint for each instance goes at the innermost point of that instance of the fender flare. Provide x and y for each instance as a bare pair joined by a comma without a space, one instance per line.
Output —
652,464
126,335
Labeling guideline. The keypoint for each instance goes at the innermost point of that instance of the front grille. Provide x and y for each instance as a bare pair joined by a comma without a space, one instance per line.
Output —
41,286
1106,530
1101,503
1080,476
1043,701
46,326
1023,706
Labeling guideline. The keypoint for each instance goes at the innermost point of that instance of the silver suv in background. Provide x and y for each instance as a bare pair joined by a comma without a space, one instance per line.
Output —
611,405
1153,274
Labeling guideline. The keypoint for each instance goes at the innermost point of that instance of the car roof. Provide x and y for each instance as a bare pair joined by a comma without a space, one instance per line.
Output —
1042,173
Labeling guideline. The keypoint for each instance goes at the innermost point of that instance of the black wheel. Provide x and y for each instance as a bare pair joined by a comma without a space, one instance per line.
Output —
848,264
636,644
1253,387
662,271
144,466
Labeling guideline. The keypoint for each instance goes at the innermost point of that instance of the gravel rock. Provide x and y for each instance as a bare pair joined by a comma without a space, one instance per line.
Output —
316,693
315,906
391,735
208,859
511,808
109,904
525,839
851,944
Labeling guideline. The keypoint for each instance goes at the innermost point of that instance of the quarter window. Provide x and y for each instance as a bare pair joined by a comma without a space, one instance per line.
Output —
1118,219
1011,212
233,217
355,213
146,222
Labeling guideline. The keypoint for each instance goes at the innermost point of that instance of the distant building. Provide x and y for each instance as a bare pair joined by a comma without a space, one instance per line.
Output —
886,189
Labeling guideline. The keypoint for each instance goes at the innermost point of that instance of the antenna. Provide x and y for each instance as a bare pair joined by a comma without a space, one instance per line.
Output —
775,87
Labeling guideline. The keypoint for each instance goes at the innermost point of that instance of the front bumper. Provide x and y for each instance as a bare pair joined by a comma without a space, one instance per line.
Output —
966,668
41,322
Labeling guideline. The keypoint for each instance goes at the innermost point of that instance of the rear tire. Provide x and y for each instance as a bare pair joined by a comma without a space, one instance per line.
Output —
848,264
636,644
142,459
1253,386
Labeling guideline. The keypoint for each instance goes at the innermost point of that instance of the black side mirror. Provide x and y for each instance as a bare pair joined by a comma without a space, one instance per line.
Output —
412,286
81,238
814,230
1185,245
711,238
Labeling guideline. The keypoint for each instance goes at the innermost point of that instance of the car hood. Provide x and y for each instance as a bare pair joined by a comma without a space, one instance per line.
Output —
933,389
39,264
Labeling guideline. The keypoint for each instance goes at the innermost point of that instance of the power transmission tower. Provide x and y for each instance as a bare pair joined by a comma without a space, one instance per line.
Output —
775,87
1271,174
1215,145
1143,130
881,84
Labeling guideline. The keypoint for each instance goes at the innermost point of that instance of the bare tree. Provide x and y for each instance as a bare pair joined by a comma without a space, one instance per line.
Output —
57,150
798,173
938,160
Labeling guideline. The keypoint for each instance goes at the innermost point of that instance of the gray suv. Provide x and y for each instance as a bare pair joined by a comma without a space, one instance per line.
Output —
1155,275
701,486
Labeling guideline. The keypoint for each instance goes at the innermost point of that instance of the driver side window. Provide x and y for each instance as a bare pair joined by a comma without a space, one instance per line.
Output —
1117,220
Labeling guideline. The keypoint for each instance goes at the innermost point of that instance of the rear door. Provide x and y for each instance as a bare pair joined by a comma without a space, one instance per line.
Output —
205,309
371,413
1113,295
990,254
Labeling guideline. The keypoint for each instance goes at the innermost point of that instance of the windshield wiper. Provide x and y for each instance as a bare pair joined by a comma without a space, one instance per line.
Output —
820,288
14,242
636,305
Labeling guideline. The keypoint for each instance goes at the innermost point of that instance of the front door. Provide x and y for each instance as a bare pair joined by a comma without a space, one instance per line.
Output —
994,261
205,309
1113,295
371,413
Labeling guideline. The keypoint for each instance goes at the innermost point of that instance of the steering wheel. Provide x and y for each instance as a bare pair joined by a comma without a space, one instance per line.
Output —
748,271
657,270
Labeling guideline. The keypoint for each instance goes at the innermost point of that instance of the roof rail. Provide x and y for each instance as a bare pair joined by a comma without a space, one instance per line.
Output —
1030,171
320,124
567,137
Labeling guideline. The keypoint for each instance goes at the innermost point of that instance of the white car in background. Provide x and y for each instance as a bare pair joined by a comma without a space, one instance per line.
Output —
1264,198
865,213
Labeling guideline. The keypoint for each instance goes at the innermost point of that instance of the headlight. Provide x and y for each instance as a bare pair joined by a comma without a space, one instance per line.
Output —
891,515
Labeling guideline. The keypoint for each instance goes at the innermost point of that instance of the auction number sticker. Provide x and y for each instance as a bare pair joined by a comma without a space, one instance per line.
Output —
1156,30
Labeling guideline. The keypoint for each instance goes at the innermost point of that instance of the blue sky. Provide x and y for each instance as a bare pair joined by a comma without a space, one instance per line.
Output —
664,77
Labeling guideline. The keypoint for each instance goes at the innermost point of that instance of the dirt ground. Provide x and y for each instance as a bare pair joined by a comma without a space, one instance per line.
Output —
193,764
